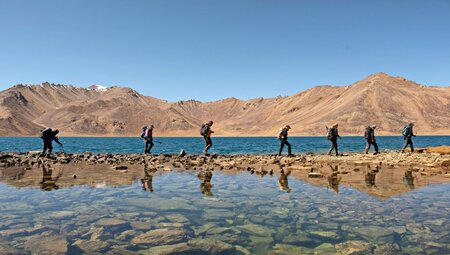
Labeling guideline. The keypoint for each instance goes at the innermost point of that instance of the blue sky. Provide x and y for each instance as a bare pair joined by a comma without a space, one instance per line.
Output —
209,50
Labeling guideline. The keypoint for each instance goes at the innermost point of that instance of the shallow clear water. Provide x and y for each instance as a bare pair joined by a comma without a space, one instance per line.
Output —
246,212
222,145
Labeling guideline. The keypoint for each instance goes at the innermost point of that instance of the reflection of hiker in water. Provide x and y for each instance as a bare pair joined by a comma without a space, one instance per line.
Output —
283,183
334,179
370,177
48,183
409,179
205,186
147,181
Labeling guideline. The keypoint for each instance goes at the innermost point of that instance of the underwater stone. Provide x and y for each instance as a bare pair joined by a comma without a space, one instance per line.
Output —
47,245
167,249
353,247
257,230
324,234
160,237
110,222
287,249
91,246
209,245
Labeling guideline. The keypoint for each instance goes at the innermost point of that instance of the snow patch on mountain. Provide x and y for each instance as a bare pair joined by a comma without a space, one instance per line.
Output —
97,87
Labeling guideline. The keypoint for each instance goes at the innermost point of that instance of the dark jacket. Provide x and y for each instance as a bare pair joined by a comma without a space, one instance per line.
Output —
50,136
409,132
369,134
283,134
205,130
333,134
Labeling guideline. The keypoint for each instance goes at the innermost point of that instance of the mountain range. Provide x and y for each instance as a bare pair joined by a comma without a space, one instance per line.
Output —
379,99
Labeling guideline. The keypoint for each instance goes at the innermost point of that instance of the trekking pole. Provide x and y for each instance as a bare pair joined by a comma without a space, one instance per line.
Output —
62,148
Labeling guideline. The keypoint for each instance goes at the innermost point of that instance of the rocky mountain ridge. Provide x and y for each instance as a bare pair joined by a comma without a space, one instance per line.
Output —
379,99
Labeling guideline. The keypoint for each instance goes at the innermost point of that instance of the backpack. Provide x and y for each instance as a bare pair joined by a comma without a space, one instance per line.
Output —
203,130
406,130
280,133
368,133
45,132
330,133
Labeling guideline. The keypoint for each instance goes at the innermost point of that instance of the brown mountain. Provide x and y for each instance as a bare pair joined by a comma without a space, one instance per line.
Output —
388,102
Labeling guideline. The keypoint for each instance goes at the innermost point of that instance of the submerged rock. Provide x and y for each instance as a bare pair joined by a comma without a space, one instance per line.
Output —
353,247
255,229
47,245
91,246
109,222
160,237
324,234
287,249
209,245
179,248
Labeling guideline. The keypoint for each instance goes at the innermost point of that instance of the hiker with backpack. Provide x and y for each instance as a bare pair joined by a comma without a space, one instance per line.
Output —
283,137
147,135
48,136
408,134
369,134
206,132
333,135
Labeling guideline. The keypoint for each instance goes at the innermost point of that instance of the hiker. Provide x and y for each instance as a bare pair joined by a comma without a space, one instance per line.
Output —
147,135
333,135
206,132
283,137
48,136
370,138
407,136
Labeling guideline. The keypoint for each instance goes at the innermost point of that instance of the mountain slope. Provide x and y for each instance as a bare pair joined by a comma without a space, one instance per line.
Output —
382,100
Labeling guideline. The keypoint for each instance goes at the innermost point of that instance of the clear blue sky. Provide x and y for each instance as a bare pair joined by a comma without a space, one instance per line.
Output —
210,50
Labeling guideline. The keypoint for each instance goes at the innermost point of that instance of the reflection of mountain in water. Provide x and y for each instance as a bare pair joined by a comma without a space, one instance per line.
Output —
377,181
53,176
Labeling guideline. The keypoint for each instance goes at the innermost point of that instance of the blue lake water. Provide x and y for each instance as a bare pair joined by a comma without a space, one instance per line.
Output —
221,145
229,214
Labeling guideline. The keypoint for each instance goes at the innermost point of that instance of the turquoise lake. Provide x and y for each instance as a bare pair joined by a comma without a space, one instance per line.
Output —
222,145
229,213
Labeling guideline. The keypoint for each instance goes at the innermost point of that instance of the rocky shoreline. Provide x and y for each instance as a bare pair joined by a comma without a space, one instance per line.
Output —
249,162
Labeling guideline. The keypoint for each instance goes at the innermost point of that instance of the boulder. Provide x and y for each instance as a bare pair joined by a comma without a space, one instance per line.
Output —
160,237
211,246
47,245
